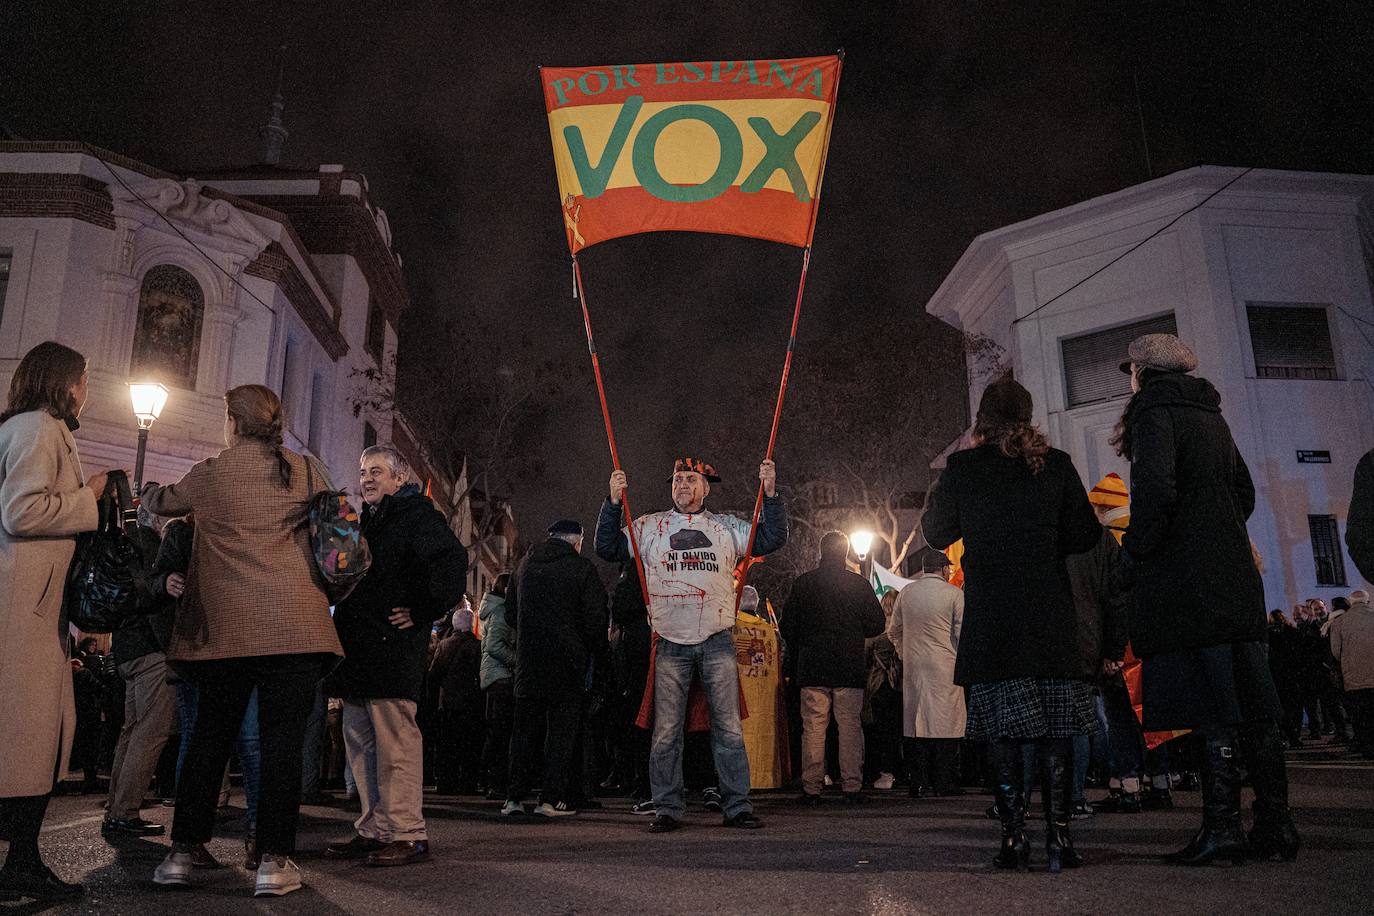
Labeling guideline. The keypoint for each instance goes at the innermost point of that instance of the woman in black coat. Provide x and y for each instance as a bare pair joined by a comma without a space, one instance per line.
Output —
1198,618
1021,509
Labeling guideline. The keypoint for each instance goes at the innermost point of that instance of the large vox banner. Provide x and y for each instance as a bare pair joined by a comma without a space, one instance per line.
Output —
733,147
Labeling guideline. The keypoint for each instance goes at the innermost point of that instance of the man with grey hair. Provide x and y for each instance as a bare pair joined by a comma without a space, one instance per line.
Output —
417,576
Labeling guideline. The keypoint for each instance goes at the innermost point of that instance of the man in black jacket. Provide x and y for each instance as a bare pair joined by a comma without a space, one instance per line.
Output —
418,573
557,606
139,647
829,613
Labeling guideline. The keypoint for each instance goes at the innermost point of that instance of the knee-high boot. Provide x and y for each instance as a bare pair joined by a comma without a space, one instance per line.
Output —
1221,836
1274,833
1004,760
1055,758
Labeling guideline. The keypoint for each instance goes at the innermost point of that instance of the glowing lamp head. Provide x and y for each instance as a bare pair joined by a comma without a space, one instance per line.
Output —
861,541
148,399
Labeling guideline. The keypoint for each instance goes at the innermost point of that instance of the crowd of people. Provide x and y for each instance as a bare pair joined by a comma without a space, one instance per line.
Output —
1078,652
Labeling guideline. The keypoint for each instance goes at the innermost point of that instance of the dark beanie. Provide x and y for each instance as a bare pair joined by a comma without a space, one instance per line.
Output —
1004,403
565,526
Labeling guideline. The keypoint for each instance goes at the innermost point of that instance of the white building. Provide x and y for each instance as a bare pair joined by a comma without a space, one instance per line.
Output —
268,275
1269,282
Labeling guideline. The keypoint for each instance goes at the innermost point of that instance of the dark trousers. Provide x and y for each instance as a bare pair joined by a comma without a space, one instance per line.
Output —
933,762
21,820
557,716
883,737
500,723
460,748
1360,705
286,687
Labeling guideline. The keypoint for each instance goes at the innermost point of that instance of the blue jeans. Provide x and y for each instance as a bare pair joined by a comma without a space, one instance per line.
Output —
674,666
247,745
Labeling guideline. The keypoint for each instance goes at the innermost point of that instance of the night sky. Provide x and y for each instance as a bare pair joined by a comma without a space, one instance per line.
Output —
954,118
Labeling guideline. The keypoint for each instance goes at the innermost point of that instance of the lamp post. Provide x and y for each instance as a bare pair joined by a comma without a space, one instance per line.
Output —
862,542
148,399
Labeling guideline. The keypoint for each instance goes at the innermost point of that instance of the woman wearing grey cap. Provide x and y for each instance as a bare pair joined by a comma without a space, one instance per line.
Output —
1198,619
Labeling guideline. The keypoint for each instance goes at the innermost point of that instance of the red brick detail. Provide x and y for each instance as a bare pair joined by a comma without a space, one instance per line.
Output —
56,195
342,224
276,266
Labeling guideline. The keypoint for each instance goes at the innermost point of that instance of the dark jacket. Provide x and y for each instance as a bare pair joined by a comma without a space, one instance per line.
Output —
829,613
147,633
1187,550
1102,618
557,605
498,641
417,563
455,667
1017,527
1359,525
636,637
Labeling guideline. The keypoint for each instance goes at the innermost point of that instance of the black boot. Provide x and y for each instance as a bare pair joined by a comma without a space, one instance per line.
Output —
1004,760
1274,834
1055,756
1221,836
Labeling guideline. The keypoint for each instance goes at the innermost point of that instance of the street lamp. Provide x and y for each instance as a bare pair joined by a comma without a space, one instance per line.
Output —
148,399
862,542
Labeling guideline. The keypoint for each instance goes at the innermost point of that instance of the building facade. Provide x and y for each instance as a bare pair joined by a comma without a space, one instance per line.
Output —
1269,281
202,282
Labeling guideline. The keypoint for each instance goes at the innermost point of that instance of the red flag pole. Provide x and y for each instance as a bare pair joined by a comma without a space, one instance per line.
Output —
610,431
792,337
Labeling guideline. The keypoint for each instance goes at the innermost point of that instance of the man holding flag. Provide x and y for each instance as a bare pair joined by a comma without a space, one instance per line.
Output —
689,555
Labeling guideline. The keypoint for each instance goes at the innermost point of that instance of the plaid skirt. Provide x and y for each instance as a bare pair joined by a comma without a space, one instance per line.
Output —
1027,708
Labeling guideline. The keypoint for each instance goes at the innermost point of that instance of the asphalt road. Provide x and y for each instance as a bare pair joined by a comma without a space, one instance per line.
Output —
893,856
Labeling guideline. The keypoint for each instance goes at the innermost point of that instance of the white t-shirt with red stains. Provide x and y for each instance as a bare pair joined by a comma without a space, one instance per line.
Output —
689,564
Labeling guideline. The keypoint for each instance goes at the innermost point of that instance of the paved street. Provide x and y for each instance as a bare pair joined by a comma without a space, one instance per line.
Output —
894,856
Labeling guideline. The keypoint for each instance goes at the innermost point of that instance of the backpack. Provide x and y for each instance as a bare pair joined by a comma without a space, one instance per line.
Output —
336,539
107,583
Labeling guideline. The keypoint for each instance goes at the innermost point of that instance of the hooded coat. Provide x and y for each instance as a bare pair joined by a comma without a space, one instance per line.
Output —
498,641
417,563
1018,527
1187,552
557,605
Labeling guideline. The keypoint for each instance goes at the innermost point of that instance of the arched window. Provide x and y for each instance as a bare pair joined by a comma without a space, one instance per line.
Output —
167,338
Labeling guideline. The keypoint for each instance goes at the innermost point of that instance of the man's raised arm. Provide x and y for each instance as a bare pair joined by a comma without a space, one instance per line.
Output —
611,543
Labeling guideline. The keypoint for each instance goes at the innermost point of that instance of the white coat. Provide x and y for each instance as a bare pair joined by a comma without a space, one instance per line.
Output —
925,631
43,505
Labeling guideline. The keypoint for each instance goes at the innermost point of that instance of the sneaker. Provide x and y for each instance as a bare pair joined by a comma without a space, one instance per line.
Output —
561,809
1119,802
664,824
1157,800
277,877
884,781
645,807
175,870
513,808
828,781
1081,809
710,797
130,826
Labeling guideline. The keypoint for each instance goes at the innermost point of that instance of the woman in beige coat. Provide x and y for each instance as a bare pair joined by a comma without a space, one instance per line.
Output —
253,615
925,629
43,505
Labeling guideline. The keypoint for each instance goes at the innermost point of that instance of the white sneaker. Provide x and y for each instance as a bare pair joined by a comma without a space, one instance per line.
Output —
512,808
562,809
277,876
174,870
828,780
884,781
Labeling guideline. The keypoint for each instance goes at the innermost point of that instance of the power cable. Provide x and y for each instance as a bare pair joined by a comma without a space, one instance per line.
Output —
1123,254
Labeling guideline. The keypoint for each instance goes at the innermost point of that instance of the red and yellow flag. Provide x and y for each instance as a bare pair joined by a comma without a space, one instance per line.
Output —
733,147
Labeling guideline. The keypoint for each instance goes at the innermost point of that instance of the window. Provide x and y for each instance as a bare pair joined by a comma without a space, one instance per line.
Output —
1291,341
6,256
1326,550
317,402
375,341
1092,362
369,436
167,336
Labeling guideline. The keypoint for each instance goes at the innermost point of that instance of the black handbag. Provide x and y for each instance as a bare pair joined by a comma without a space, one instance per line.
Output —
107,583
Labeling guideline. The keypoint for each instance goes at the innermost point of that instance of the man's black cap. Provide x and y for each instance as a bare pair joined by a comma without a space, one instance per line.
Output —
565,526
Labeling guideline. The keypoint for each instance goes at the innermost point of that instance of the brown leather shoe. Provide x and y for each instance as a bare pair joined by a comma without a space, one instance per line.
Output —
355,848
201,858
401,852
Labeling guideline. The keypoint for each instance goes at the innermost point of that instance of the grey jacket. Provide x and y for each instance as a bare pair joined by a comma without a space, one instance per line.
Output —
498,641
